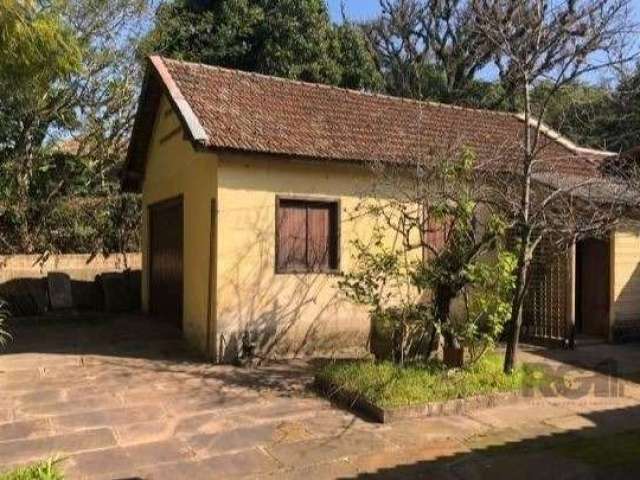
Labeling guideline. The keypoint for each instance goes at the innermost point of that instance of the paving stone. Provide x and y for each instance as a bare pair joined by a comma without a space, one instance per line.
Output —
240,464
26,375
334,422
25,429
131,434
6,415
423,432
409,454
110,417
180,471
536,434
107,463
207,422
288,408
518,414
214,403
62,408
128,462
236,439
40,397
171,450
570,422
328,449
38,448
327,471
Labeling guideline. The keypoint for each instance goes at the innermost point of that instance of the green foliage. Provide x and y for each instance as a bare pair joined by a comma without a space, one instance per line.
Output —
488,303
578,111
460,266
409,297
287,38
46,470
389,385
381,271
66,104
37,47
400,333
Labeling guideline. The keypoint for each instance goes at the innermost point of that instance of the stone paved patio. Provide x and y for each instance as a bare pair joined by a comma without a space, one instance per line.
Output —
123,397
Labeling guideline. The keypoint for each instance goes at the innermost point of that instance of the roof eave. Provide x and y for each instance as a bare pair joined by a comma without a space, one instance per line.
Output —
156,77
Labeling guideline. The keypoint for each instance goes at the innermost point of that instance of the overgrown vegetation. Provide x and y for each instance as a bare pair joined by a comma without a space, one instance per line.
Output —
438,242
45,470
67,86
389,385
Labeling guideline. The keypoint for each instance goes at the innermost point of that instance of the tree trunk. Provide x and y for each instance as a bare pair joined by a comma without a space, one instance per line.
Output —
524,236
515,321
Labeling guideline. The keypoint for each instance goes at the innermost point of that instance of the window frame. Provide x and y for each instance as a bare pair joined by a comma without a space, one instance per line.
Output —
337,240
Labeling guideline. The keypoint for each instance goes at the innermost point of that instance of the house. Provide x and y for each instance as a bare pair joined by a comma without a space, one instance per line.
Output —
232,164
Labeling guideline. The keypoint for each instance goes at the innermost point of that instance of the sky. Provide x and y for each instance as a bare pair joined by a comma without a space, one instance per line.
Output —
356,9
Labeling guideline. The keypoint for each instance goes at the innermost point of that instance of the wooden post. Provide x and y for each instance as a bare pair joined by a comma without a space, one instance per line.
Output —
612,282
211,350
570,313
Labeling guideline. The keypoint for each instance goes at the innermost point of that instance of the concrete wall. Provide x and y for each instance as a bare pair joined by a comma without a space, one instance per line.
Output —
173,169
625,281
25,275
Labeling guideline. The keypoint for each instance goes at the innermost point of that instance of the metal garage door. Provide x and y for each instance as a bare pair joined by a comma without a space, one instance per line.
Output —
165,260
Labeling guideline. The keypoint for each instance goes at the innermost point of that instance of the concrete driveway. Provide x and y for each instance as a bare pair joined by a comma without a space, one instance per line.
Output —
122,397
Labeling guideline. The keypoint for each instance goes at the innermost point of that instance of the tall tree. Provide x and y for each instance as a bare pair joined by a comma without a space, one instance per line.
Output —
559,42
287,38
621,127
429,49
67,85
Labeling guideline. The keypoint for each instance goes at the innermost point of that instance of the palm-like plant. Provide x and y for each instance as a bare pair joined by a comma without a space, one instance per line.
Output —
5,313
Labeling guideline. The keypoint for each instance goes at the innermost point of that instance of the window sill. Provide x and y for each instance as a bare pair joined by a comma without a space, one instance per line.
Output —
309,272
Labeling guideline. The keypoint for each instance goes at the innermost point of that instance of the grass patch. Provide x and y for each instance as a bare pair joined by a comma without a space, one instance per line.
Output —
388,385
45,470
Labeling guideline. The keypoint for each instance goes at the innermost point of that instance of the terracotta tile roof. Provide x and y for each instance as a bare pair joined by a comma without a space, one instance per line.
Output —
229,109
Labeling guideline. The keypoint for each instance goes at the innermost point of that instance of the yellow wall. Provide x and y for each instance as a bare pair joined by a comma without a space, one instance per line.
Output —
289,313
174,168
292,313
625,274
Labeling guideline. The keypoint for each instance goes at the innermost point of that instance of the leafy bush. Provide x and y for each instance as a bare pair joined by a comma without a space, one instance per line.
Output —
400,332
488,304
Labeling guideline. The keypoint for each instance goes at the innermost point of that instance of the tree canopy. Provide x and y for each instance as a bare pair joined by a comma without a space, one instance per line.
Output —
66,103
287,38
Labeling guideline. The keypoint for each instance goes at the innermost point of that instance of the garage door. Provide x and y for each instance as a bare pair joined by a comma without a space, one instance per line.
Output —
165,262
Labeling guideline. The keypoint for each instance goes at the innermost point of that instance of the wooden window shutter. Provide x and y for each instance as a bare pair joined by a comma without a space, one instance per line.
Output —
318,228
307,236
292,233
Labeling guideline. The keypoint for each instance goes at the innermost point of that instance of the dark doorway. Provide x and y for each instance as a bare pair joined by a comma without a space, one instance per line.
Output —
592,287
165,260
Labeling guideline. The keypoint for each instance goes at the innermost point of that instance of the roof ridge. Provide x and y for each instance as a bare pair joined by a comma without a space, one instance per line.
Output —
352,91
561,139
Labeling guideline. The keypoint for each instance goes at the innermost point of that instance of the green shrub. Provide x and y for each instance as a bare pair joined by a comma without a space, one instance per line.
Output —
400,332
46,470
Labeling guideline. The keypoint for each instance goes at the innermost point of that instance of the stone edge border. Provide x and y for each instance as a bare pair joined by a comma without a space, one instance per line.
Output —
432,409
